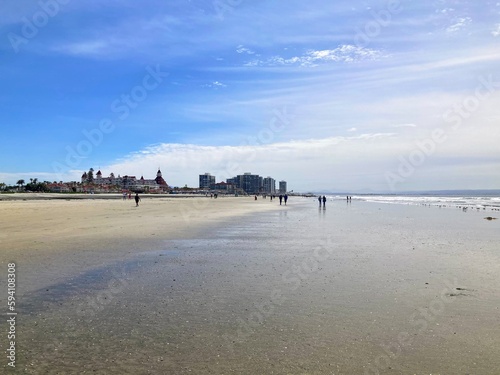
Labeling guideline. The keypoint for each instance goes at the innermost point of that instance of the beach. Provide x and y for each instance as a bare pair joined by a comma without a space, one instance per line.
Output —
238,286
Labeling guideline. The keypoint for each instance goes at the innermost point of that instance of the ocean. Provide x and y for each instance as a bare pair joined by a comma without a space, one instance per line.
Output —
457,199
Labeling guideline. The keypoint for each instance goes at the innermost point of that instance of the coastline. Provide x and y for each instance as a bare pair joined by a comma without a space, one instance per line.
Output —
79,196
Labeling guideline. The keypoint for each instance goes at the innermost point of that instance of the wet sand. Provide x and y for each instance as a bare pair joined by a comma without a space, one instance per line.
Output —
358,288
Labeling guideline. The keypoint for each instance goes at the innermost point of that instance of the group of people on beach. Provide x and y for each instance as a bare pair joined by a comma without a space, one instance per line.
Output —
281,197
136,198
322,199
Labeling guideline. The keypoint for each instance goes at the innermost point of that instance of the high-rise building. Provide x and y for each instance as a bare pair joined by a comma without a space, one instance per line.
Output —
269,185
249,183
206,180
283,189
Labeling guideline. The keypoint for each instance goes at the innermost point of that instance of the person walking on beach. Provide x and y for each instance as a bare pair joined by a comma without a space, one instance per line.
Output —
319,200
137,199
324,201
281,198
286,198
124,196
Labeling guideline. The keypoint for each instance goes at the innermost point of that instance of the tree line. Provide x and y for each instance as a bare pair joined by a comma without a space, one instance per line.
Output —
34,186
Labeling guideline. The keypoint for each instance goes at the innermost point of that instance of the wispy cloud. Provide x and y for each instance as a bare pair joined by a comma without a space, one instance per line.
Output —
242,49
496,31
460,24
346,53
215,84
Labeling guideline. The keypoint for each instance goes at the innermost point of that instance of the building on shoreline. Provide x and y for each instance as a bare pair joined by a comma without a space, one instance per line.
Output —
206,181
246,183
269,185
283,188
127,183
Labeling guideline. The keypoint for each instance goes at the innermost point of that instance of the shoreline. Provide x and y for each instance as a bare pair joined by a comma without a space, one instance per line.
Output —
80,196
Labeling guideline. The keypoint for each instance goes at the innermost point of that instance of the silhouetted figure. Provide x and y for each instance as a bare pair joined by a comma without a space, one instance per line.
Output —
137,199
286,198
324,201
319,200
281,198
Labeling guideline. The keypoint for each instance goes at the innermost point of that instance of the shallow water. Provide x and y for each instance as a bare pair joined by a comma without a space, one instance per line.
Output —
351,289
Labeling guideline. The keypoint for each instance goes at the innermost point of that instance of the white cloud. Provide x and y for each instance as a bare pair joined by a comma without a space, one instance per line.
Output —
460,24
296,161
496,31
95,47
242,49
346,53
215,84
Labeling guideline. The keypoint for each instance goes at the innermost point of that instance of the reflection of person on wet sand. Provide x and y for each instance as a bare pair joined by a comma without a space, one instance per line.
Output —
324,201
137,199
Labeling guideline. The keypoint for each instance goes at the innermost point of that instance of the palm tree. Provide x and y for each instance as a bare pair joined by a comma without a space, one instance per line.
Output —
90,175
20,183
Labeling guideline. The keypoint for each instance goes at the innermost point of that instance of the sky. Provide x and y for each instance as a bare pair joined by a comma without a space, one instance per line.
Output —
356,96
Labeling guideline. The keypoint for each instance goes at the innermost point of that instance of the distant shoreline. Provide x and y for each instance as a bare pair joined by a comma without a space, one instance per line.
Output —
78,196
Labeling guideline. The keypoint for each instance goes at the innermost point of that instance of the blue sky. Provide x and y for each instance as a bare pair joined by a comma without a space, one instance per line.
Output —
328,95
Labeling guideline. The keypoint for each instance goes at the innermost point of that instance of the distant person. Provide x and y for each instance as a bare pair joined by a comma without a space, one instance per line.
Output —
271,198
347,197
255,197
129,195
124,196
319,200
137,199
286,198
281,198
324,201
